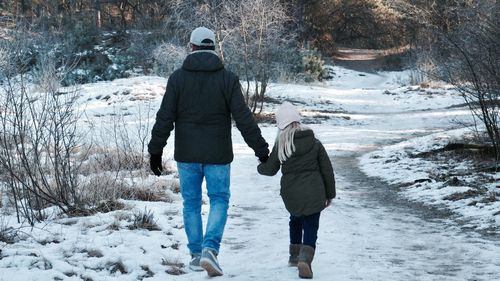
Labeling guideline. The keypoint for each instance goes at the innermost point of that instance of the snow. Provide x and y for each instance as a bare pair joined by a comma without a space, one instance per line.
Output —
371,231
395,165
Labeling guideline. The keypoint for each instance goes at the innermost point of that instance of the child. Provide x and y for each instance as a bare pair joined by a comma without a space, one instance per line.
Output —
307,183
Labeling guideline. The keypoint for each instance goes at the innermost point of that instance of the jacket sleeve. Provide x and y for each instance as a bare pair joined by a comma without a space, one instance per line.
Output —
165,119
244,120
326,169
272,166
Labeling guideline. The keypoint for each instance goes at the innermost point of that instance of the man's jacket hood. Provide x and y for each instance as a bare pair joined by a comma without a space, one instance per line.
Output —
206,61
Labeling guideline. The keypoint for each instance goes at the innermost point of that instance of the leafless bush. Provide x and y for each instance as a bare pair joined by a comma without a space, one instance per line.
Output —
168,57
38,136
464,52
116,161
129,138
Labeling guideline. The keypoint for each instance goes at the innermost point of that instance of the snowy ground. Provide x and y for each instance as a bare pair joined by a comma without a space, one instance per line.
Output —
371,232
467,194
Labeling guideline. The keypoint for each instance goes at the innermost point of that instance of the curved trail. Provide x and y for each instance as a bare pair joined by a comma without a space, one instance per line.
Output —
369,233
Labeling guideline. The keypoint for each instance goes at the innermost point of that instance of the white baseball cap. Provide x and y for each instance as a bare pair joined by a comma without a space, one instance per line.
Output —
286,114
201,33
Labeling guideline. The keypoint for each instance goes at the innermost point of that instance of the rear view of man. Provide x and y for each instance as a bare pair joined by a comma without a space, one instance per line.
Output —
200,99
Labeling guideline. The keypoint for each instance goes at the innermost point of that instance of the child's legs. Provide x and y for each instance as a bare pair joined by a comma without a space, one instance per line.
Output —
295,230
310,224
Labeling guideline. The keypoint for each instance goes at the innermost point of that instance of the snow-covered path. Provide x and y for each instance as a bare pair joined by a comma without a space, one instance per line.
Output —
363,236
369,233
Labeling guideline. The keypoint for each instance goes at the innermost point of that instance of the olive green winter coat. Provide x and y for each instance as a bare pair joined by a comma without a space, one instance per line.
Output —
308,179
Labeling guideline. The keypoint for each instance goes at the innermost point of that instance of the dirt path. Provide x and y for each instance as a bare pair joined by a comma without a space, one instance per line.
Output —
369,60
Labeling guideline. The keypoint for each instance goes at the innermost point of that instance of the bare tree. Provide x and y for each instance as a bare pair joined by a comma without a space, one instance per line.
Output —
462,40
475,70
259,39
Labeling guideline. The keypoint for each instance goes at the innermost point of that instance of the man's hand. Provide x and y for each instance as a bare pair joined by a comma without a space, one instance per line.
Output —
155,163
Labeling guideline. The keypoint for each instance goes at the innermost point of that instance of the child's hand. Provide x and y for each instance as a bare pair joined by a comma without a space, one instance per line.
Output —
328,203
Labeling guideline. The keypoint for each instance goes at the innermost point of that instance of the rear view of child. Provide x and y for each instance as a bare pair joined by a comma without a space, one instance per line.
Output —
307,183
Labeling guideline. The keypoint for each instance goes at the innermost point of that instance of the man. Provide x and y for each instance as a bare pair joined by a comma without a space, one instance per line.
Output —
200,98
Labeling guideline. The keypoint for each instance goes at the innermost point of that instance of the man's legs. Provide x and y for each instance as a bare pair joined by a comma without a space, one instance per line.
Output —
218,180
191,178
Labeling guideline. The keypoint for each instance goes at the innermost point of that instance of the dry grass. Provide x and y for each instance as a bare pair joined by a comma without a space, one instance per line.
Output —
102,207
7,234
144,220
102,186
174,266
100,159
150,194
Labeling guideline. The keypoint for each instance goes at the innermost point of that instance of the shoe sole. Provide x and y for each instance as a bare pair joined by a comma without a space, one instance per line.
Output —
210,268
305,271
196,268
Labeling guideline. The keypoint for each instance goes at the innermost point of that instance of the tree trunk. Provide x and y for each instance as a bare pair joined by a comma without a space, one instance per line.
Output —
23,7
497,13
14,9
122,7
97,8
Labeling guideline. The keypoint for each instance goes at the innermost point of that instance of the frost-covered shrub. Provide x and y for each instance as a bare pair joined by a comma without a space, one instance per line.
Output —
168,57
144,220
313,65
7,234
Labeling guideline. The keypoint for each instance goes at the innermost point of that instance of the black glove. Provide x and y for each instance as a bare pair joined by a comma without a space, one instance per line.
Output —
263,159
155,163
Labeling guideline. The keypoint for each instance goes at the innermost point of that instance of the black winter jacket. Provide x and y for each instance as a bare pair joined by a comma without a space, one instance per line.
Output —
308,179
200,99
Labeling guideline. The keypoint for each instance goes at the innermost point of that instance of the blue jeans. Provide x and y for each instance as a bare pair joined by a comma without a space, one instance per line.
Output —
217,180
304,230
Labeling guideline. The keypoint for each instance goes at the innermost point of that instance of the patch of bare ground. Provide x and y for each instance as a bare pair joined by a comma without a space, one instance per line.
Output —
478,173
308,116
